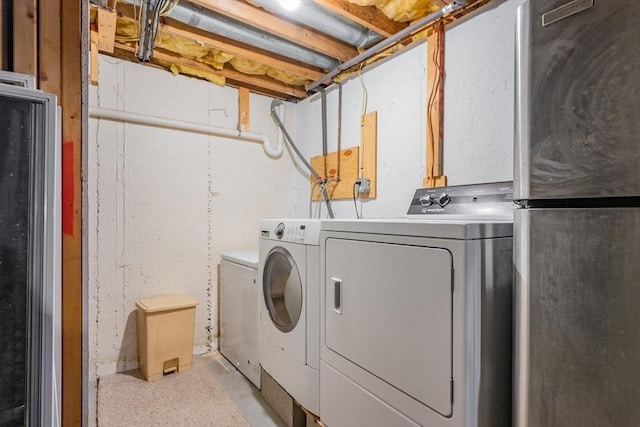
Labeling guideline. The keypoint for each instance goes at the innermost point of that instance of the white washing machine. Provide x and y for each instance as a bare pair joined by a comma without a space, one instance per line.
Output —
239,302
416,313
289,307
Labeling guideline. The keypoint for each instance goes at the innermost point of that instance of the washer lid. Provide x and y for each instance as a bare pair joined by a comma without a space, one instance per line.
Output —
247,258
459,227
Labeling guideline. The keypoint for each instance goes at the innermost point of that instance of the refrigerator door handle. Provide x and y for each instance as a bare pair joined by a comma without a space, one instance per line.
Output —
521,152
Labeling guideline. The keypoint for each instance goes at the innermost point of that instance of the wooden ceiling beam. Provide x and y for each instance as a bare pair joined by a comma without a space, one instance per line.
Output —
367,16
267,83
212,41
255,89
265,21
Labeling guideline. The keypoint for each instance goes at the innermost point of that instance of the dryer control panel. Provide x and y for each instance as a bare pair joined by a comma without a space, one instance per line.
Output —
293,233
493,198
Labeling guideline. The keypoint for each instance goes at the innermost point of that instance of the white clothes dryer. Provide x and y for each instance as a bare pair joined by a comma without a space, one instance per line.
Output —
416,313
290,306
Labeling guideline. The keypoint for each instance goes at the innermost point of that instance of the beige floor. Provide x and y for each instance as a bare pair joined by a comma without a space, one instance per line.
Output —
212,393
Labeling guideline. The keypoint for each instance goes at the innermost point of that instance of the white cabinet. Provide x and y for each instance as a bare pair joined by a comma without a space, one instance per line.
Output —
239,299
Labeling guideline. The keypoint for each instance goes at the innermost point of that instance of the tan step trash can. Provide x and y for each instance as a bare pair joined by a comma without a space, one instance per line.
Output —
165,334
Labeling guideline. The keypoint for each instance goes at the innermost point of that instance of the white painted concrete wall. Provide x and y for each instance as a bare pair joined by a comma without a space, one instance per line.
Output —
479,99
163,204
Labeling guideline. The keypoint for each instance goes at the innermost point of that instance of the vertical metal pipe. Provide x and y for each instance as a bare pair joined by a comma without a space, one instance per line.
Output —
324,131
339,129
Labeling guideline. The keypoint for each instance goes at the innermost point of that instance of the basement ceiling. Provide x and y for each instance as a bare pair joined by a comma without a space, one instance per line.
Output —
260,44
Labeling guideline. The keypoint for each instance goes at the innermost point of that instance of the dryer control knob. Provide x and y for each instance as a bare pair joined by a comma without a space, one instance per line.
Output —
280,231
444,199
426,200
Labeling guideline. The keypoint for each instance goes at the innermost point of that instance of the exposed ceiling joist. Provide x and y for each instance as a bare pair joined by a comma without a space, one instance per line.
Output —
367,16
190,39
273,87
259,18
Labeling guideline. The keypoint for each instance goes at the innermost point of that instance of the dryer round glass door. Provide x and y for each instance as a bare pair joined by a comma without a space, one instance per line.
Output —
282,289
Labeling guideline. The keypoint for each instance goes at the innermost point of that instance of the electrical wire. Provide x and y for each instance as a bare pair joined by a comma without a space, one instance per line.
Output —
323,187
169,7
365,98
365,94
313,190
355,203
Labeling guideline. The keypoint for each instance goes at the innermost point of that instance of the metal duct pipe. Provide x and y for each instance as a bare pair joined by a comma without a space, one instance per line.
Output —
317,17
206,20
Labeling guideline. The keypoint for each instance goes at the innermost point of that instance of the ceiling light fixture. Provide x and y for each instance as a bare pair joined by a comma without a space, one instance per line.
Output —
289,5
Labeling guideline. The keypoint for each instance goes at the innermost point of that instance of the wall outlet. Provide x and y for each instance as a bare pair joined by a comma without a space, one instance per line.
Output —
364,185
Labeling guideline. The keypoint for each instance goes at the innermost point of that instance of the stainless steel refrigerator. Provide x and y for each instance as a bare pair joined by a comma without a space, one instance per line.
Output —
577,232
29,254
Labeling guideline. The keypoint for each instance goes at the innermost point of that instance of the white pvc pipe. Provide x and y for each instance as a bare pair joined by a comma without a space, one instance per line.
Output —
144,119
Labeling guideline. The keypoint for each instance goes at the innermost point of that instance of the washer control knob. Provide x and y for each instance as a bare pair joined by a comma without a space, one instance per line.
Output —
426,200
444,199
280,231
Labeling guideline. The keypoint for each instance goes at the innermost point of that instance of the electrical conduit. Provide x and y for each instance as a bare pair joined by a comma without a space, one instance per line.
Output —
416,26
275,103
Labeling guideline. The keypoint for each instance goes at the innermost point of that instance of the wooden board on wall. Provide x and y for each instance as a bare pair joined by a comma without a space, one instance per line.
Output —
25,37
369,147
74,37
243,109
49,62
434,176
94,69
348,173
106,30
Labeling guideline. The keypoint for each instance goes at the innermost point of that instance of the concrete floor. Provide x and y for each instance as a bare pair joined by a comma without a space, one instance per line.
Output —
243,393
